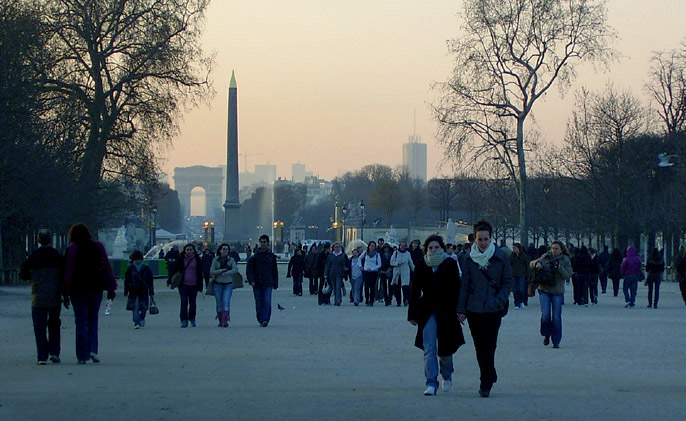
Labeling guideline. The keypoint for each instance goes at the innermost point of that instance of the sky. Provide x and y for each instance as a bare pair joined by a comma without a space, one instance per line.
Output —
336,85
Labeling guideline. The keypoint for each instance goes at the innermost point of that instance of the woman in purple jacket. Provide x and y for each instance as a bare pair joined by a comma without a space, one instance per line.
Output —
630,269
190,265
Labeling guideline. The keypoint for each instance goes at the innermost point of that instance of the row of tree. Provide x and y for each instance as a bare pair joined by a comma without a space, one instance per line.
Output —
89,93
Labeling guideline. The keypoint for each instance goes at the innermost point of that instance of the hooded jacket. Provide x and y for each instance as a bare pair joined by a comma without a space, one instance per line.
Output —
631,265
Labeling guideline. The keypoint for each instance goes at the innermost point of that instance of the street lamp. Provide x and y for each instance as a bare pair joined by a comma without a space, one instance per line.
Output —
362,205
345,211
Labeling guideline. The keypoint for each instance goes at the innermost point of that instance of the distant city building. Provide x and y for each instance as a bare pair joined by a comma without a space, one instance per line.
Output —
317,189
414,157
298,173
265,173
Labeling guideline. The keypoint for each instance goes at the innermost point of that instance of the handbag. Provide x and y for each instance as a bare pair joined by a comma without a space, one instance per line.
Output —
153,306
210,288
531,290
237,280
176,279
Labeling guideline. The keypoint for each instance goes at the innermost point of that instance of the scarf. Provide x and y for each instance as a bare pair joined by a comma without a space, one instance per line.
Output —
223,262
138,266
434,259
482,259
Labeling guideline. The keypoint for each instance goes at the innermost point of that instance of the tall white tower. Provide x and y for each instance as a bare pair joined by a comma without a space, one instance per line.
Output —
414,155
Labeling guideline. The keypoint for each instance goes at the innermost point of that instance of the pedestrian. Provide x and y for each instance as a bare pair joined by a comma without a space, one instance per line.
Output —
207,258
551,291
320,265
614,264
311,269
594,274
263,276
234,254
190,267
433,309
171,257
630,270
680,264
296,268
655,266
371,263
603,259
520,275
386,273
582,266
87,274
138,287
403,266
336,271
223,270
161,255
484,299
356,277
45,269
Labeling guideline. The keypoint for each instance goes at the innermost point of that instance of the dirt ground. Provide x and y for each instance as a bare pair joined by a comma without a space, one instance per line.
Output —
344,363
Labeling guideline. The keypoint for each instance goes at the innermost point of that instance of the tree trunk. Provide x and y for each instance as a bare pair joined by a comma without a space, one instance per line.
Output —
523,185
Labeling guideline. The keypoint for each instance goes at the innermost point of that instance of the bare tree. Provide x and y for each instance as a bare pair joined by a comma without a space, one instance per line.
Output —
125,67
512,53
442,193
667,87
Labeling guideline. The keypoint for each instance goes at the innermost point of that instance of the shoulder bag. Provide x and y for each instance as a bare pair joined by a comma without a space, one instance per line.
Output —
176,280
237,280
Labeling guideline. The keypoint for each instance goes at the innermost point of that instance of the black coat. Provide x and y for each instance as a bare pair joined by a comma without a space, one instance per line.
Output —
261,270
437,293
296,266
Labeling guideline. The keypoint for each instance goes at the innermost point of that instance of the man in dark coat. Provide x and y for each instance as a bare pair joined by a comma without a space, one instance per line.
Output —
263,276
45,269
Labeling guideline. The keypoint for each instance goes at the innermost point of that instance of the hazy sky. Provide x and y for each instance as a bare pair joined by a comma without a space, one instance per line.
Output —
334,84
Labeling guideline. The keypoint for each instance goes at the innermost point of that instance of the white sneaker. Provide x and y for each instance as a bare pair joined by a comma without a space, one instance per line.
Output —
522,305
430,391
447,384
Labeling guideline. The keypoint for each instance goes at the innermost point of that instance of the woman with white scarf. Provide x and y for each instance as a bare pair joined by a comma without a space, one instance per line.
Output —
401,260
433,304
484,298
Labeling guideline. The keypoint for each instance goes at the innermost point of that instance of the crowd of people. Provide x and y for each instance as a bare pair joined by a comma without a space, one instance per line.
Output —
443,286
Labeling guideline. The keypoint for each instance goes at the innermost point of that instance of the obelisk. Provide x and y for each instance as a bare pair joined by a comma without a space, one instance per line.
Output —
231,229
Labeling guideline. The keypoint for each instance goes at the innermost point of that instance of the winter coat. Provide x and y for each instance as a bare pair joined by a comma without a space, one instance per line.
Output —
370,263
311,265
336,267
402,265
582,263
655,266
614,267
631,265
320,264
261,270
217,271
88,270
437,293
520,265
296,266
562,273
45,269
485,291
138,284
207,260
417,255
179,266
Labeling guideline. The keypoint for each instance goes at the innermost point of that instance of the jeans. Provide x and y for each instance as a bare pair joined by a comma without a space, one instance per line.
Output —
593,287
263,303
369,286
357,289
551,315
519,290
337,290
630,288
431,361
584,282
386,288
298,284
484,328
654,279
86,309
615,286
222,295
46,318
139,310
188,296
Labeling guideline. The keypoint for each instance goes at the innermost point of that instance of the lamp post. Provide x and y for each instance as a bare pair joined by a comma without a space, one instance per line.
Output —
345,211
362,205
